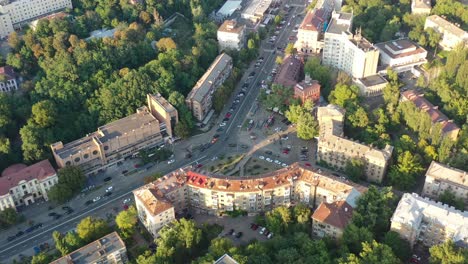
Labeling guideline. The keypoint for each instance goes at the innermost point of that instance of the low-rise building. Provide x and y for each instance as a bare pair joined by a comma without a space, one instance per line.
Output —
7,79
336,150
307,90
256,10
441,178
371,85
330,219
231,35
154,210
452,34
401,55
24,185
421,7
290,72
421,220
118,140
107,249
199,100
448,127
226,259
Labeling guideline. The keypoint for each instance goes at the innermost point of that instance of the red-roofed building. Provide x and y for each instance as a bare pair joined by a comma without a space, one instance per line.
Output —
307,90
7,79
291,71
23,185
449,128
330,219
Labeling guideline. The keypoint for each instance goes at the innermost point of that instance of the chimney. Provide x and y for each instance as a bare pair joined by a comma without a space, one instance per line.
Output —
307,80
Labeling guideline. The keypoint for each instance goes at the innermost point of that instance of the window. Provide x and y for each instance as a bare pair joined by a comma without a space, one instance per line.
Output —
106,147
95,152
77,159
86,156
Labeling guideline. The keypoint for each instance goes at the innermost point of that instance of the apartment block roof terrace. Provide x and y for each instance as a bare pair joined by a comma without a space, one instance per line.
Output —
400,48
153,199
443,172
447,26
340,22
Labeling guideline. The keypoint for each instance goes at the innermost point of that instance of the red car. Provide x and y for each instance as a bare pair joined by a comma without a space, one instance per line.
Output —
137,165
285,151
125,207
199,165
307,164
228,115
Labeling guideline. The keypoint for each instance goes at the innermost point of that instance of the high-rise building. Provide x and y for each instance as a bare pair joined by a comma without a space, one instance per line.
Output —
231,35
14,13
350,53
452,34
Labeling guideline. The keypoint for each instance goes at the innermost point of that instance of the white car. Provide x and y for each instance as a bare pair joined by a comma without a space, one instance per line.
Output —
284,165
261,157
294,30
270,235
222,124
109,189
262,230
269,160
126,201
97,199
171,161
277,162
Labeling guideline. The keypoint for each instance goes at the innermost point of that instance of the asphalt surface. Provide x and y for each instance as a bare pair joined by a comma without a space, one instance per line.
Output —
123,185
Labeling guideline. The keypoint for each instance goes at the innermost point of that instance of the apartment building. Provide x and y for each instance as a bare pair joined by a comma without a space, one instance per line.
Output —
290,72
108,249
371,86
7,79
449,128
307,90
118,140
401,55
421,220
154,210
441,177
24,185
330,219
421,7
350,53
14,13
336,150
163,111
452,34
199,100
231,35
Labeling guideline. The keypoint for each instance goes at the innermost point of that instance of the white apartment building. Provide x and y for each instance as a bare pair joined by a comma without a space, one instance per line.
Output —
440,177
7,79
231,35
421,220
350,53
401,55
336,150
421,7
24,185
14,13
452,34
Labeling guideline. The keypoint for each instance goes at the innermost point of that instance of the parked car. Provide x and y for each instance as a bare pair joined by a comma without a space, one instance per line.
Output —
269,160
199,165
307,164
107,179
88,202
107,194
126,201
231,232
69,211
239,234
97,199
270,235
29,229
261,157
57,216
262,230
171,161
109,189
268,152
11,238
52,213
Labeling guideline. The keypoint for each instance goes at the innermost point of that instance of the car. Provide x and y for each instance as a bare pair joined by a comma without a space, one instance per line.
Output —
225,119
89,202
285,151
11,238
277,162
71,210
220,129
252,74
241,94
237,101
304,148
244,146
222,124
199,165
262,230
270,235
109,189
136,166
52,213
29,229
171,161
307,164
107,194
266,233
228,115
66,208
268,152
124,171
284,165
415,259
253,226
261,58
232,145
269,160
97,199
214,140
261,157
239,234
284,137
125,207
57,216
231,232
107,179
125,201
38,225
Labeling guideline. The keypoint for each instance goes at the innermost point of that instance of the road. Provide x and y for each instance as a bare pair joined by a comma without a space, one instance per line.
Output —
123,185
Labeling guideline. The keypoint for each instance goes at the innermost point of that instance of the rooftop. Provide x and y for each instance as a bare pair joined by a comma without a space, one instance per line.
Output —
433,111
314,20
362,43
229,7
231,26
14,174
94,251
153,199
447,26
7,72
308,85
400,48
257,7
421,4
340,22
204,84
336,214
163,102
373,80
330,119
290,71
443,172
349,145
226,259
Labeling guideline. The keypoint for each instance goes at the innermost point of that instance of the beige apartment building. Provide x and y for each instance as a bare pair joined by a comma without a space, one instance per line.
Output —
164,112
109,249
24,185
7,79
330,219
421,220
231,35
440,177
199,100
452,34
118,140
336,150
14,13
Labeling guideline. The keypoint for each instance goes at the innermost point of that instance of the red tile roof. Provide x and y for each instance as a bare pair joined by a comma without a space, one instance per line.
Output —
314,20
336,214
290,71
8,72
13,175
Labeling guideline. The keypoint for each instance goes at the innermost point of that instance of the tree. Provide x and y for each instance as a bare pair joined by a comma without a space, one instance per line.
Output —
60,245
73,177
290,49
302,213
8,217
400,247
355,169
90,229
278,19
320,73
60,193
44,113
182,130
373,252
403,174
307,127
354,236
126,221
447,253
279,97
14,41
448,197
344,95
279,60
41,258
166,44
278,219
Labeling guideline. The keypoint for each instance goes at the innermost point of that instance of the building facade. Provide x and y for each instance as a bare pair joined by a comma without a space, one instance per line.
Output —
290,72
117,140
330,219
108,249
371,86
14,13
24,185
421,7
452,34
199,100
7,79
163,111
231,35
401,55
307,90
440,177
336,150
350,53
448,127
421,220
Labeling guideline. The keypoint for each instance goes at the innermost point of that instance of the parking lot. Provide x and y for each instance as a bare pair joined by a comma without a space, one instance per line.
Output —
238,224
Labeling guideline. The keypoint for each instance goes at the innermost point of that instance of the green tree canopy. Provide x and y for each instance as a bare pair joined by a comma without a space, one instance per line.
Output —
90,229
447,253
